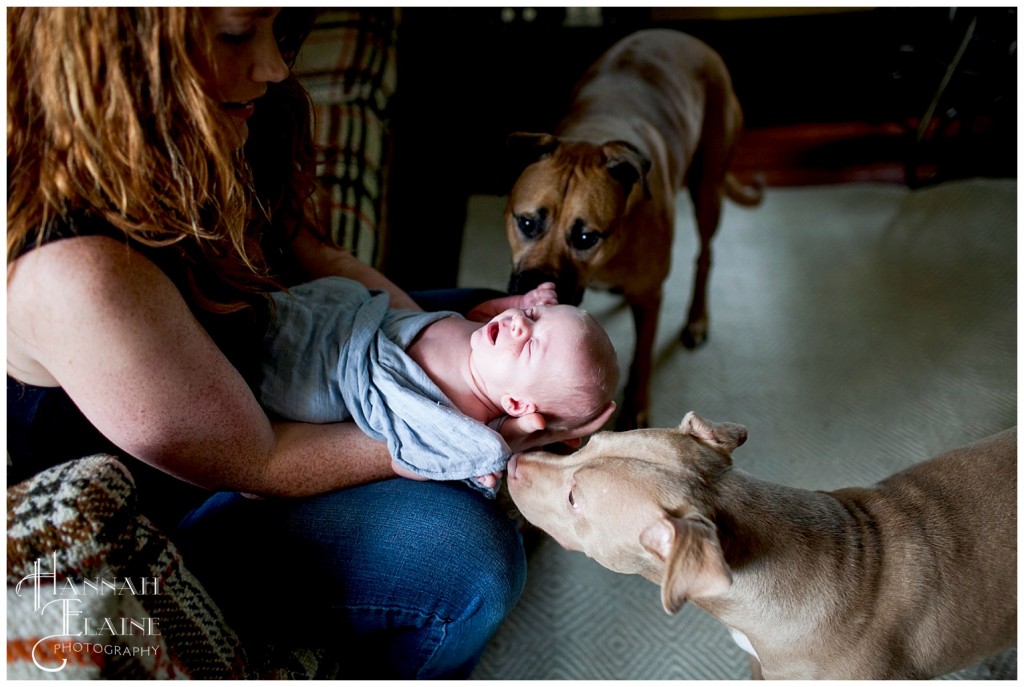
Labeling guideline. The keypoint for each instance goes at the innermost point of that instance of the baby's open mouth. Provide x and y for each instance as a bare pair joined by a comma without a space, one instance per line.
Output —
492,333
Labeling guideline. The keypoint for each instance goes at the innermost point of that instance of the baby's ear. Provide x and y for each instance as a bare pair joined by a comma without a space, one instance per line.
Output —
515,407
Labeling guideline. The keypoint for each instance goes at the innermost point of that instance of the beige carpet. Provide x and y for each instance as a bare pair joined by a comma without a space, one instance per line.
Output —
855,330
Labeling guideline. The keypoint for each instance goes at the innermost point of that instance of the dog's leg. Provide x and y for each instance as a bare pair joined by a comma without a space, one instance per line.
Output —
636,398
755,668
723,121
706,193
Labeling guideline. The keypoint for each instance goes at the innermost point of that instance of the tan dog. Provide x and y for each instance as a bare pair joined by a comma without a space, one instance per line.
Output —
595,204
911,578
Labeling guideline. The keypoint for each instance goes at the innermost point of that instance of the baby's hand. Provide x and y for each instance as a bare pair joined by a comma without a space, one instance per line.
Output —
542,295
489,481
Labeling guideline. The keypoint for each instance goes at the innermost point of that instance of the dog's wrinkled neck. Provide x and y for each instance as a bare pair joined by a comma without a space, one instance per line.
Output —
762,528
760,521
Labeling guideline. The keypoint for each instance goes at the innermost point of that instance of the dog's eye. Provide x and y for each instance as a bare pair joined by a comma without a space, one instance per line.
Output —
582,238
530,227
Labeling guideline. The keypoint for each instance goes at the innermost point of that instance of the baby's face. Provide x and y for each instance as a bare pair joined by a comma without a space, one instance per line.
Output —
523,352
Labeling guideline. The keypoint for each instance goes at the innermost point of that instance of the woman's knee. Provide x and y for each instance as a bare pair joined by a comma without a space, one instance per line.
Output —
441,575
471,559
482,571
419,575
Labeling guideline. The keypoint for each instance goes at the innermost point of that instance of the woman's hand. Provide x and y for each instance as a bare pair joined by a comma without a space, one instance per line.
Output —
487,481
401,471
530,431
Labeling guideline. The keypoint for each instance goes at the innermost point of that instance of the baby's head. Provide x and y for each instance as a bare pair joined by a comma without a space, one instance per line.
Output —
582,383
556,360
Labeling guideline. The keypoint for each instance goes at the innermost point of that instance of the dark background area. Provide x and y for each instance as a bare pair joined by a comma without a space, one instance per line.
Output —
846,88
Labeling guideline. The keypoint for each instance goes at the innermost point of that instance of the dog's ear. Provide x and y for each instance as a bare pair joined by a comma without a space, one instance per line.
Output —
627,165
523,149
722,435
694,564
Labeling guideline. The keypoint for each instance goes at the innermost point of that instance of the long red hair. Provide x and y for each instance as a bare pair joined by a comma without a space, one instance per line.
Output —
108,114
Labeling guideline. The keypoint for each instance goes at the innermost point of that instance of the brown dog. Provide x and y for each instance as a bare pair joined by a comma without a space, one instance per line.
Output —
911,578
595,204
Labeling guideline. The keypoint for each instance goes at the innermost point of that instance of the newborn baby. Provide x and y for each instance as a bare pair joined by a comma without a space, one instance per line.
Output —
434,385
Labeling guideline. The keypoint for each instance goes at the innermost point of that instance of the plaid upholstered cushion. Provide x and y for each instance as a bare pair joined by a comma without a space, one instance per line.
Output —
348,65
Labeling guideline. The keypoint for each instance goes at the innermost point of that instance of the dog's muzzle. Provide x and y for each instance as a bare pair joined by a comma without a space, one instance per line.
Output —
568,288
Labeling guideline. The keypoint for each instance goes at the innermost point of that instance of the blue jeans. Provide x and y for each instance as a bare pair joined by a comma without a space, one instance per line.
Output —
404,579
399,579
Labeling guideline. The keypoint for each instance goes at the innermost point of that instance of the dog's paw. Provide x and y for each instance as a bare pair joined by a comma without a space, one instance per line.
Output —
694,336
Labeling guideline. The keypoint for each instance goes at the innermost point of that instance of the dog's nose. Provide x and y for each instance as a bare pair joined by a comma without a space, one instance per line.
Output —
527,280
567,286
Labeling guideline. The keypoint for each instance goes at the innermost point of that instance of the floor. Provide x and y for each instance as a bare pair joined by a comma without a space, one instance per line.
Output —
856,328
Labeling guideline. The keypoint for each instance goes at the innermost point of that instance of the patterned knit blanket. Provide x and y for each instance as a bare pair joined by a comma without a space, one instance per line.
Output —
95,591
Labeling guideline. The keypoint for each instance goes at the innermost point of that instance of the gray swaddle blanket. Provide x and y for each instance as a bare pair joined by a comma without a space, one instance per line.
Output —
335,351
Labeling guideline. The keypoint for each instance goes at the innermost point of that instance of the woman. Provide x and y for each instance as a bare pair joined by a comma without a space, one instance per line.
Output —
142,236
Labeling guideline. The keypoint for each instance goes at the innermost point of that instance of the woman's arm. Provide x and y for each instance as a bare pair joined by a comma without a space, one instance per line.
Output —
108,326
321,259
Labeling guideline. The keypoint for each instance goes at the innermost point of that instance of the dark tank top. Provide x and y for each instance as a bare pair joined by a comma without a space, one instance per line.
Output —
46,428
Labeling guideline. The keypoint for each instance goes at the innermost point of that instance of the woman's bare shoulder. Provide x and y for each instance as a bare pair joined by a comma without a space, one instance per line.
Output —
103,322
98,262
60,292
